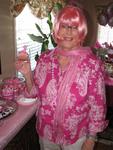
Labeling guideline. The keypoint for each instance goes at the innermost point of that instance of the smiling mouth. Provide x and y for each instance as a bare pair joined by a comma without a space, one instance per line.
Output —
68,38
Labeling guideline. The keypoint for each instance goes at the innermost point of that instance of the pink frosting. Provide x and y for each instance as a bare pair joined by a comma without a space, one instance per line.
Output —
11,88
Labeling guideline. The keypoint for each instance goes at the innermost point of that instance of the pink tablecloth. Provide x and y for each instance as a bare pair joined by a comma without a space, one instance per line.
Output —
10,126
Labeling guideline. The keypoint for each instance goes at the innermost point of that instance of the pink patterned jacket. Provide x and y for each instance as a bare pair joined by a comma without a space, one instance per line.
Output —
85,108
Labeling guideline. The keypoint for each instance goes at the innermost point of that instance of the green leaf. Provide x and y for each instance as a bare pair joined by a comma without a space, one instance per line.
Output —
52,41
44,46
49,16
49,22
58,6
36,57
38,39
39,29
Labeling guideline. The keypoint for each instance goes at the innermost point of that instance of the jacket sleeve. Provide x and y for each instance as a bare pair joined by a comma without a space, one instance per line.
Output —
97,98
34,93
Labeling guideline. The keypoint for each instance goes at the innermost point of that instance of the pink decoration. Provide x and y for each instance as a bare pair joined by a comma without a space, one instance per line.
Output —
12,87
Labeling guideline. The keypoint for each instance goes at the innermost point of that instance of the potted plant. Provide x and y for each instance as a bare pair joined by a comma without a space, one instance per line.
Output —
43,38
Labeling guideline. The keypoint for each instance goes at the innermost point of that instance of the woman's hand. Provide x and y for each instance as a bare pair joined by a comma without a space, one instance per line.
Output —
23,66
88,144
23,63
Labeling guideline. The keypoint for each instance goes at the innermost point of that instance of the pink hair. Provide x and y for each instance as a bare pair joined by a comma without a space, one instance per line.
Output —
71,16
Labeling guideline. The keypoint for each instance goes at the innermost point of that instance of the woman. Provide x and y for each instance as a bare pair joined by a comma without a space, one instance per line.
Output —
69,84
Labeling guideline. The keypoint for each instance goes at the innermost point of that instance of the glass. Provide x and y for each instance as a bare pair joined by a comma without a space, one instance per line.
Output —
11,88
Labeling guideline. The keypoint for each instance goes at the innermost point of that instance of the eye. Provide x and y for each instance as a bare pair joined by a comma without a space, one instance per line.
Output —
74,27
64,26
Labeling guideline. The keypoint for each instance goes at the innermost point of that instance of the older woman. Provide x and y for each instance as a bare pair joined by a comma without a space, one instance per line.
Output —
69,84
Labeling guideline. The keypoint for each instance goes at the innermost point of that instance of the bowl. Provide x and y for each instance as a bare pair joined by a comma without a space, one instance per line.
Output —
12,87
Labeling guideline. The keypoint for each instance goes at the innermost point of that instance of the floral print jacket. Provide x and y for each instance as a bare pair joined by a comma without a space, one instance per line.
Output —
85,109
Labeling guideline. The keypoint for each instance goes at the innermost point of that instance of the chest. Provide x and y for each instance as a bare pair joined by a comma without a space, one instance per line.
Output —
50,75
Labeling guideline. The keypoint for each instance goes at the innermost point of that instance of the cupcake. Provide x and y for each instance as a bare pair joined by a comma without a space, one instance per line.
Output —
23,56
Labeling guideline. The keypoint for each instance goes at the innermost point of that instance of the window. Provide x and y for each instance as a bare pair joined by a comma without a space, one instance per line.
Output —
25,24
105,34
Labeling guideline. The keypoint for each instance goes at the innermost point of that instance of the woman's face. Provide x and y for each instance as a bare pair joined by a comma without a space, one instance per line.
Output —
69,37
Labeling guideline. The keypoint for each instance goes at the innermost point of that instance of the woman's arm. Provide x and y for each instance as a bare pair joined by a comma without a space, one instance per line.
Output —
23,65
97,99
88,144
97,104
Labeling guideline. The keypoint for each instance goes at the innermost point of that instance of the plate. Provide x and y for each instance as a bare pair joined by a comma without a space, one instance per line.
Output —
7,108
26,101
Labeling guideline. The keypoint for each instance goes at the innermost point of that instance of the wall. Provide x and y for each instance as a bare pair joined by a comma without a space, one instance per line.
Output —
7,45
91,20
102,2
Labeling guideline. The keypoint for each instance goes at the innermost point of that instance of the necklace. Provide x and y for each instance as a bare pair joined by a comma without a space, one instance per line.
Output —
52,68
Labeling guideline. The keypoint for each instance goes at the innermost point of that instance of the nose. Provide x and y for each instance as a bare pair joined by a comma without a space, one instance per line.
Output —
69,29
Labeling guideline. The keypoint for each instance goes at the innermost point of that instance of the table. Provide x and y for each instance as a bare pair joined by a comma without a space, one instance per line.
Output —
11,125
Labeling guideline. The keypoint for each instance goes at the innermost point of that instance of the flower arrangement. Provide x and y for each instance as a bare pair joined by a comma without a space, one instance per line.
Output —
105,53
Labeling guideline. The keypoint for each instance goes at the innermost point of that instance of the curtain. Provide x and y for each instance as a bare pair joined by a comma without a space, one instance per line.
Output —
39,8
16,7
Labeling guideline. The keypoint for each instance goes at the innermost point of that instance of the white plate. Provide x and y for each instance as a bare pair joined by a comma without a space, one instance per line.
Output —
26,101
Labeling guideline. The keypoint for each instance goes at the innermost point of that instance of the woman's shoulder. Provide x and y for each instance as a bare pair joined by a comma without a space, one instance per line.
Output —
92,58
46,54
87,52
91,54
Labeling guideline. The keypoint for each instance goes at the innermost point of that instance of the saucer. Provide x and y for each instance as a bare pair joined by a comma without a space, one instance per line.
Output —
26,101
